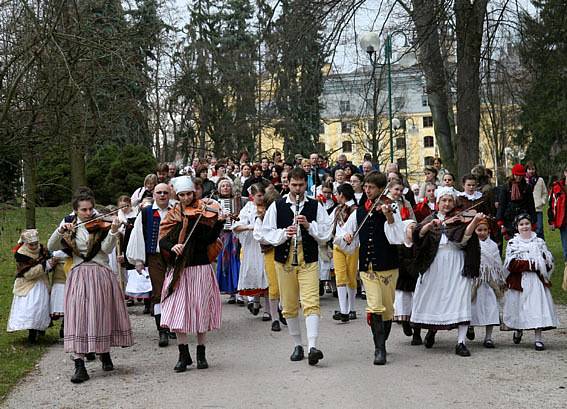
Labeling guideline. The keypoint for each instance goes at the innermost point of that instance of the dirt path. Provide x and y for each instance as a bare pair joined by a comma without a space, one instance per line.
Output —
250,368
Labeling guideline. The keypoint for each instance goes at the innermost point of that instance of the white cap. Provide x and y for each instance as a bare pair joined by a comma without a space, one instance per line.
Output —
444,191
183,184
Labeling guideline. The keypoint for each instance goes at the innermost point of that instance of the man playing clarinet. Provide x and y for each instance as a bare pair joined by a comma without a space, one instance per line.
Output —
293,225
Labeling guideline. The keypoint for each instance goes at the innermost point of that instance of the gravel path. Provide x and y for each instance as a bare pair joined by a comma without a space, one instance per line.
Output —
250,368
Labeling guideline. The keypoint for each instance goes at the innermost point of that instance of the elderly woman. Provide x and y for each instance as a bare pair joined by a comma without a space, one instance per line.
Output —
447,258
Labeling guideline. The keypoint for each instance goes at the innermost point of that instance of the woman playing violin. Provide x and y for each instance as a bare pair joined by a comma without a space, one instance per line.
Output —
190,301
95,314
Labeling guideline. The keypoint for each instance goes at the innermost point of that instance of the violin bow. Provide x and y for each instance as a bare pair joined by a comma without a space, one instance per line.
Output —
357,231
102,216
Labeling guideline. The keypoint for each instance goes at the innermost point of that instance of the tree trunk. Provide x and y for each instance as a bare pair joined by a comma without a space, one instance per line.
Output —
469,24
429,54
30,176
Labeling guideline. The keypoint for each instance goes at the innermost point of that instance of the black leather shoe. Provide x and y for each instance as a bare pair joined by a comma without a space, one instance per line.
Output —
163,338
314,356
297,354
81,375
32,337
352,315
276,326
321,288
470,333
380,357
339,316
407,328
201,359
461,350
240,302
184,358
171,335
91,356
539,346
488,343
517,336
281,317
255,311
62,329
363,295
250,307
416,339
429,339
266,317
107,364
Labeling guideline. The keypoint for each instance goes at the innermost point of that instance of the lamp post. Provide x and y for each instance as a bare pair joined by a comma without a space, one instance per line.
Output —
370,42
388,51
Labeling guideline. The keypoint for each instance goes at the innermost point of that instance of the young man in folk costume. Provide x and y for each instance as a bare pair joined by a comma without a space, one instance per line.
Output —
294,225
378,262
143,251
190,296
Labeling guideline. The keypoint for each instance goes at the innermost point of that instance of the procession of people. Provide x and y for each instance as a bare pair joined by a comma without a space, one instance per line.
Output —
277,236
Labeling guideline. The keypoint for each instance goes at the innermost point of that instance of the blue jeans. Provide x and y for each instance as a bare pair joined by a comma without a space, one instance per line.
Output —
563,232
539,225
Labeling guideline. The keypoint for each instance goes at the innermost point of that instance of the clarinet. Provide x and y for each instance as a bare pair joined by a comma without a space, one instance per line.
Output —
295,260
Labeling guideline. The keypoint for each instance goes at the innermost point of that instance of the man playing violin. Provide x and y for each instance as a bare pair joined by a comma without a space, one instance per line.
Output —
143,251
190,297
95,314
378,260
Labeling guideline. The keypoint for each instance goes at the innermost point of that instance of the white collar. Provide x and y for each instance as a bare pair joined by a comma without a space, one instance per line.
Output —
350,203
301,203
475,196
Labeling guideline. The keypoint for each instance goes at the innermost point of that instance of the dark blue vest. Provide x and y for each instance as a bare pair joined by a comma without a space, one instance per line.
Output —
285,219
150,223
374,246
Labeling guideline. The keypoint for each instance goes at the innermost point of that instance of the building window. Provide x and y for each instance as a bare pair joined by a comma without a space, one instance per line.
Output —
428,141
428,161
402,163
427,121
321,128
400,143
347,146
424,100
344,106
346,127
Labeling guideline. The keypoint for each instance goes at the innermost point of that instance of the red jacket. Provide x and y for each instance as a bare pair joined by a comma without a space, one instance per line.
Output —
557,204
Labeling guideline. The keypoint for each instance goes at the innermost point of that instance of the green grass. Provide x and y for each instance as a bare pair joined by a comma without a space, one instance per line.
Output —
15,357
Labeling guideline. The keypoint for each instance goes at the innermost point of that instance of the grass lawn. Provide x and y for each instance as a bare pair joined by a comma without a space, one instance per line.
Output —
16,359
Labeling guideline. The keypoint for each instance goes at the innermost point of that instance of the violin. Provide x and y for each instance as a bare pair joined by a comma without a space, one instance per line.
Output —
465,216
101,222
206,213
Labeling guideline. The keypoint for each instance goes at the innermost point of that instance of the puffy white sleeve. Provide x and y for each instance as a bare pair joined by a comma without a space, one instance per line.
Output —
136,250
348,228
320,228
396,232
269,231
109,242
54,242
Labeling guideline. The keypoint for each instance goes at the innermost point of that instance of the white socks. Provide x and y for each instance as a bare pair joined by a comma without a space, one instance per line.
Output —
538,337
488,333
312,324
462,334
274,309
343,302
351,298
294,330
157,309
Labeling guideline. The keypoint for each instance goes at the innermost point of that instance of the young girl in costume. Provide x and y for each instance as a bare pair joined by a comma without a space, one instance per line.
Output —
30,306
528,303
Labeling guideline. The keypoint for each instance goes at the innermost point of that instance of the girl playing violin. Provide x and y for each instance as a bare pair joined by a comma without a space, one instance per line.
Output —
95,314
190,300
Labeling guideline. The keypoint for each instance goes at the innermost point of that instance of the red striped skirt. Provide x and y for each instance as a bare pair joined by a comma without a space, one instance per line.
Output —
95,314
195,304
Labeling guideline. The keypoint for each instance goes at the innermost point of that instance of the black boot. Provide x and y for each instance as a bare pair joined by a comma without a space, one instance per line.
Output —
379,335
416,339
163,338
107,364
184,358
147,306
80,374
201,359
387,328
62,329
32,337
91,356
407,328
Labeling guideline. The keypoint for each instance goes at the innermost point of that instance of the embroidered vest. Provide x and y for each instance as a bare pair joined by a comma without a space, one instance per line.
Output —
150,222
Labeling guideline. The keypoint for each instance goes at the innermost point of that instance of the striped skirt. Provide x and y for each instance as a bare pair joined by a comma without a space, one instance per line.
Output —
95,314
195,304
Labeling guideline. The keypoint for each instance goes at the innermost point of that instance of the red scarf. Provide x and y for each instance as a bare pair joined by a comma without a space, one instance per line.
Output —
368,204
516,194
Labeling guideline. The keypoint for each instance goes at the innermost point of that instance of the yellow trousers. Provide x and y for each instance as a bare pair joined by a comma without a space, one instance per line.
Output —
271,275
301,282
380,289
346,267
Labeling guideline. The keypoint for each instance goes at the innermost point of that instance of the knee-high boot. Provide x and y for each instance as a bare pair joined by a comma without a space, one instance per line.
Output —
379,335
163,338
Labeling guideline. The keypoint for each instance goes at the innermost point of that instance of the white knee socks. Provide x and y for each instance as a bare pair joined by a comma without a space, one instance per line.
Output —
343,301
351,298
312,324
462,333
488,334
294,330
538,337
274,309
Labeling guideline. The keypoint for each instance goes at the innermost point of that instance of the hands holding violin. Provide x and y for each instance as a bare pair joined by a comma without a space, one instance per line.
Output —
103,224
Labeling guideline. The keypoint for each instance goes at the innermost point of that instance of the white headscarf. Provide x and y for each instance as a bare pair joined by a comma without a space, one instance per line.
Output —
183,184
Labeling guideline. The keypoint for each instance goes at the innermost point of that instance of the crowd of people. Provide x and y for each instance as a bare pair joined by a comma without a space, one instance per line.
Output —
425,255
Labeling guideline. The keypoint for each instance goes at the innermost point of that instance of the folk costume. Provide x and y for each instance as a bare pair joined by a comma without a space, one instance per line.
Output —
300,281
516,198
378,264
59,271
346,264
143,247
30,305
252,281
190,296
326,262
448,261
528,303
487,289
95,314
228,261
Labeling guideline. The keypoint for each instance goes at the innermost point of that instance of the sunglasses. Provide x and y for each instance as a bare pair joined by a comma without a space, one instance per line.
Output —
161,193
